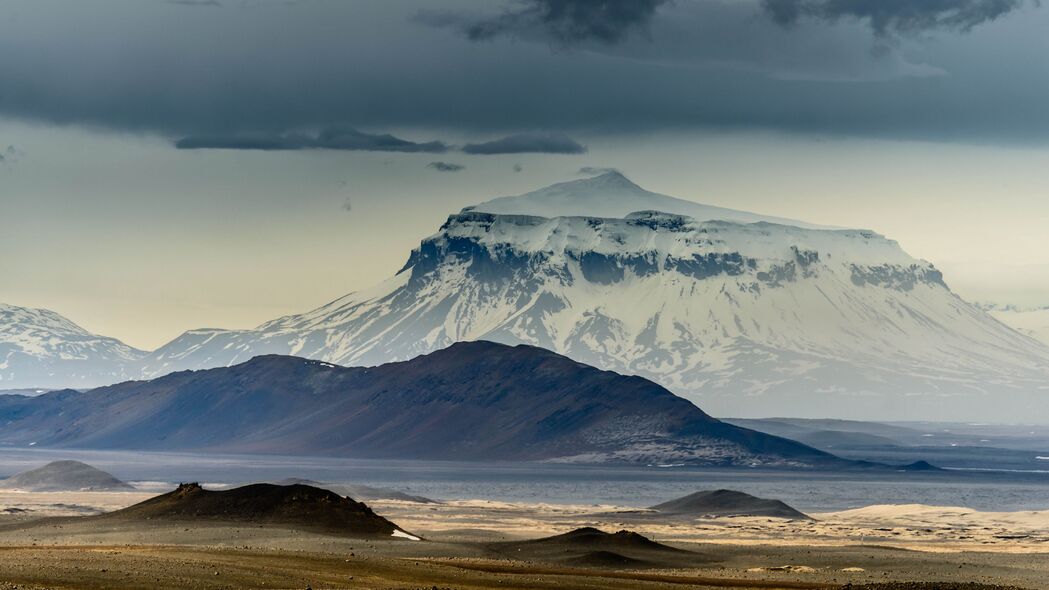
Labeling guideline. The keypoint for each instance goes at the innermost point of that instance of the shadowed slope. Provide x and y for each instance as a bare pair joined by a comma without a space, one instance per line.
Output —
471,401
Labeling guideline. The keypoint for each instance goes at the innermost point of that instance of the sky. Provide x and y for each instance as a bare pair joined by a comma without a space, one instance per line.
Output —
168,165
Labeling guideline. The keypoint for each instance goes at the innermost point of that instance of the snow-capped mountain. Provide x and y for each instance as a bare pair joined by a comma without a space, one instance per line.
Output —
41,349
746,315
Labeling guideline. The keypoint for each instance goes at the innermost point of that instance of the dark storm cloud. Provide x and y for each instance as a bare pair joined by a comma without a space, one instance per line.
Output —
330,139
528,143
446,166
256,74
565,22
896,16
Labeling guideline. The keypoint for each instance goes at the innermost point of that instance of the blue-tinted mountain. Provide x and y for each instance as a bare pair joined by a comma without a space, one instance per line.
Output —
471,401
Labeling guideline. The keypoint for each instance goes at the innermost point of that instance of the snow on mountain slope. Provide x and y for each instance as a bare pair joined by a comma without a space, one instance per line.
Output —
613,195
746,319
40,348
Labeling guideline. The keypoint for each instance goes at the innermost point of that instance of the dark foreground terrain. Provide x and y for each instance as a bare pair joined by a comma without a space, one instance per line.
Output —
300,536
163,567
98,553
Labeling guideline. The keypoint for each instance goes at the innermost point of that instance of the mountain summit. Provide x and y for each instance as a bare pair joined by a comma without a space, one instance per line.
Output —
745,318
613,195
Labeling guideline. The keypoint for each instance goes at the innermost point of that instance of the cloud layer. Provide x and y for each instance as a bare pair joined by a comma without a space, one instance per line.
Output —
528,143
329,139
564,22
896,16
446,166
255,75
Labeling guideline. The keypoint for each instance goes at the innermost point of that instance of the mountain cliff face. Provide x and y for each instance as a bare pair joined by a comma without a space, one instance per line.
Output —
746,319
471,401
40,348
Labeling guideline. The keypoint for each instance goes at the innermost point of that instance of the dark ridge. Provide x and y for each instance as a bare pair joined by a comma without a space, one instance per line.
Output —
591,547
472,401
294,506
728,503
597,539
920,466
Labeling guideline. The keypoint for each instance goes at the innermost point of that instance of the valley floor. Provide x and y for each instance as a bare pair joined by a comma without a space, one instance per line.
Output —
873,545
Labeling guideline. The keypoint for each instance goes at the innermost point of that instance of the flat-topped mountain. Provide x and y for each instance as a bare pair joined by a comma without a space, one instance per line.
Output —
727,503
294,506
471,401
744,314
64,476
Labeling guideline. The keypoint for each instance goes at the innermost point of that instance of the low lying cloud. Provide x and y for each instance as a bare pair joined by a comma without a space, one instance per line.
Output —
330,139
895,16
528,143
446,166
564,22
353,140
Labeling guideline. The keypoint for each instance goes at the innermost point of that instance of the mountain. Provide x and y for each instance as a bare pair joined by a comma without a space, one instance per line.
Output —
591,547
361,492
41,349
746,315
293,506
727,503
63,476
746,319
471,401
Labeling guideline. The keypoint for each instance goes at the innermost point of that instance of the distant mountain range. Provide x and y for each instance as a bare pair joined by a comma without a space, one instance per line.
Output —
745,314
40,349
1032,321
471,401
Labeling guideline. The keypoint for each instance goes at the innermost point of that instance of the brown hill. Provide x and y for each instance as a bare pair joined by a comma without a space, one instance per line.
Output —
593,547
294,506
727,503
